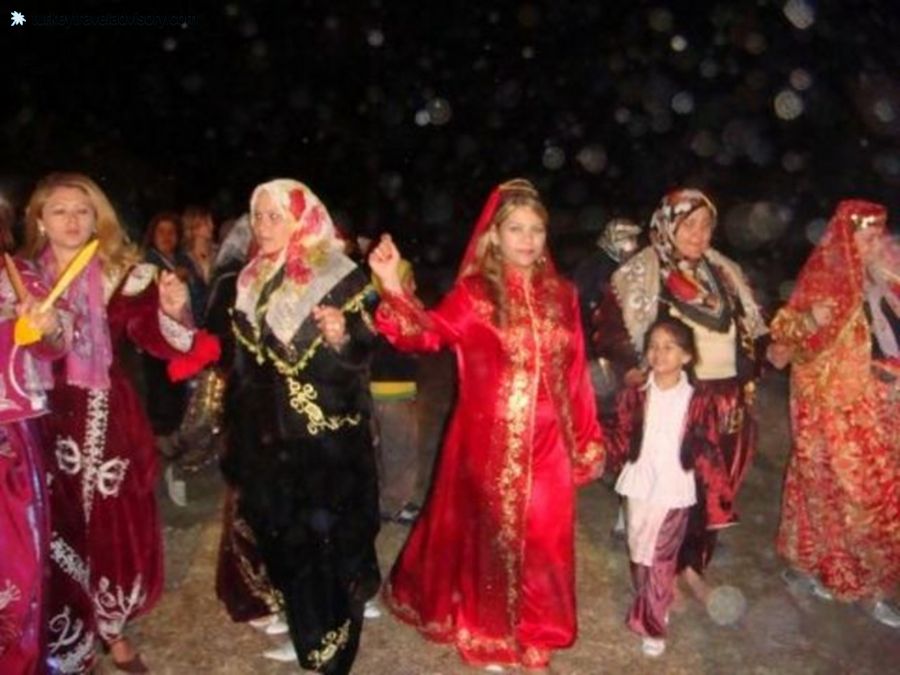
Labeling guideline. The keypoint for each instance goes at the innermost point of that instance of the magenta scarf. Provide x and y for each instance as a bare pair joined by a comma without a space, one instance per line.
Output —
89,359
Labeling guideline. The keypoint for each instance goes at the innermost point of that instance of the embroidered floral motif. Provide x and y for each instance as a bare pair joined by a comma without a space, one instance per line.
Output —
302,398
176,334
96,475
71,647
69,561
114,606
332,642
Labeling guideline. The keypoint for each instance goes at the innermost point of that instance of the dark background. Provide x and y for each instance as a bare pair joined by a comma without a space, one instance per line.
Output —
402,115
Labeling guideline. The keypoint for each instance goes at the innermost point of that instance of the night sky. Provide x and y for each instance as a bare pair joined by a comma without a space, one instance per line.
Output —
403,115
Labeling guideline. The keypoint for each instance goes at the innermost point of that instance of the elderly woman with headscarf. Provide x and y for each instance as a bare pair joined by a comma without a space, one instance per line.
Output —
680,275
840,510
300,452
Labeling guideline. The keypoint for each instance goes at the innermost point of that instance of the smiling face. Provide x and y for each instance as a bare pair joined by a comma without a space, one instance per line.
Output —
68,218
271,227
521,237
869,241
694,234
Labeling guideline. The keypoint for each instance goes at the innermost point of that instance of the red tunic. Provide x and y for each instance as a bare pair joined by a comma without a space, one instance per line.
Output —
489,565
106,546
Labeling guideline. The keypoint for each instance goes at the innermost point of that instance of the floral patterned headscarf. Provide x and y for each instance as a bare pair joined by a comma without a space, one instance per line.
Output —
311,262
692,285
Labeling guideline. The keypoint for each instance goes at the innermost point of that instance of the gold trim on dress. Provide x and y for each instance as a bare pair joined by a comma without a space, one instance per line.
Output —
332,642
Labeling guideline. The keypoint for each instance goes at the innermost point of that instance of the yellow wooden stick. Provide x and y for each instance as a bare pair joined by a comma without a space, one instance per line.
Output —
25,333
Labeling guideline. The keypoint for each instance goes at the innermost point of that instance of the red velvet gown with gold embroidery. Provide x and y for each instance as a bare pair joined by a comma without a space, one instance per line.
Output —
489,565
106,546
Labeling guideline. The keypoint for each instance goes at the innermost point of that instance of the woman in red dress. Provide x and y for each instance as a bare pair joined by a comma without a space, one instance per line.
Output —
489,565
840,512
24,523
106,564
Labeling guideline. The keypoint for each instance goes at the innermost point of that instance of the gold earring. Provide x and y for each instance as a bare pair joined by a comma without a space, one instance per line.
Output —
41,230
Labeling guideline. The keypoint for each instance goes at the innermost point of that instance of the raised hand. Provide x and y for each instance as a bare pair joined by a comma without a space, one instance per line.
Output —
384,261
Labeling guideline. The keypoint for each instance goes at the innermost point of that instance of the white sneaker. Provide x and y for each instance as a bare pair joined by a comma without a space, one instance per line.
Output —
372,611
284,653
278,626
177,489
882,612
263,622
494,668
653,647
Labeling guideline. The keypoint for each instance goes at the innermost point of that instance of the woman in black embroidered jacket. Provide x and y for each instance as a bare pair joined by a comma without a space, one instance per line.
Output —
300,453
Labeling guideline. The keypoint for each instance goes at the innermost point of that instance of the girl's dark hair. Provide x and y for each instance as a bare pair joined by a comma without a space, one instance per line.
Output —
683,336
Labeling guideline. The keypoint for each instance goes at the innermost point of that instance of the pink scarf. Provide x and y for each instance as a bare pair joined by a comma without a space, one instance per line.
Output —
89,359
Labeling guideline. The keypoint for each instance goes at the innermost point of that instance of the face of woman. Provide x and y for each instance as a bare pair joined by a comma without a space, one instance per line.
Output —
203,229
68,218
521,237
868,242
270,224
165,237
694,234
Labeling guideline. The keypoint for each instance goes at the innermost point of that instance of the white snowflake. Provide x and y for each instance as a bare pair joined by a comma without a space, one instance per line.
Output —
17,19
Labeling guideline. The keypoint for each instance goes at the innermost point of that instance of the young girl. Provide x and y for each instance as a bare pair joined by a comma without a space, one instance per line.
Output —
667,430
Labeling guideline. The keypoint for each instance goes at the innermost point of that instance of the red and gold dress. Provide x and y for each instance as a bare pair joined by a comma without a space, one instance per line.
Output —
840,513
489,564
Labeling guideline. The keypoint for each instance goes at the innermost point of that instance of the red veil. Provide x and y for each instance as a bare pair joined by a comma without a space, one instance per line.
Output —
834,271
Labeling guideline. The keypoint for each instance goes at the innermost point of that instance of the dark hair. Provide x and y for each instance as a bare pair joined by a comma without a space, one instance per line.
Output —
683,336
160,217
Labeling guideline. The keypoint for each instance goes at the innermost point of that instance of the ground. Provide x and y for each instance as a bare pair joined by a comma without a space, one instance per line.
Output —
776,630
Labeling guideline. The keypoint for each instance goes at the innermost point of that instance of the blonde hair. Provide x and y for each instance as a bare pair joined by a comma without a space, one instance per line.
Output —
115,251
514,194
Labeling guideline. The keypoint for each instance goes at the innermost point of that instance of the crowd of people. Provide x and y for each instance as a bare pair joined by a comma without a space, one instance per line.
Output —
298,350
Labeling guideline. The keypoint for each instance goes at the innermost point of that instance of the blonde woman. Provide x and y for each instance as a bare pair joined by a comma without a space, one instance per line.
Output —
106,547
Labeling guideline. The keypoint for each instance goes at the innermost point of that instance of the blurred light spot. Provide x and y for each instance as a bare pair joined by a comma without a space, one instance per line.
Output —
248,29
755,43
793,161
332,22
592,158
192,83
800,13
887,165
752,225
439,111
528,52
678,43
661,122
788,105
170,44
704,144
554,157
231,9
683,103
709,68
660,19
622,115
815,230
375,37
726,605
422,118
801,79
884,111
